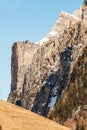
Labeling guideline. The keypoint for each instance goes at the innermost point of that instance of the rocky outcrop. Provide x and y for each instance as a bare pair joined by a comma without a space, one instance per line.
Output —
22,53
72,107
43,74
54,85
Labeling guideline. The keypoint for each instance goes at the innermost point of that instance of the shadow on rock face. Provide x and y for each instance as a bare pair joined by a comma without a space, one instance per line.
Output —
52,89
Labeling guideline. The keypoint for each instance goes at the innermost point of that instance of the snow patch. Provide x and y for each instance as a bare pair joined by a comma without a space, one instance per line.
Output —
78,109
53,98
44,104
75,17
52,102
45,39
53,33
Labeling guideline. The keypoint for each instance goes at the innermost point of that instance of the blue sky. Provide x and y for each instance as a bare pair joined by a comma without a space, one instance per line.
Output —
22,20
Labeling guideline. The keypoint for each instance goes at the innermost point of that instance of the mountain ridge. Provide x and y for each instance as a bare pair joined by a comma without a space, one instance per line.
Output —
42,73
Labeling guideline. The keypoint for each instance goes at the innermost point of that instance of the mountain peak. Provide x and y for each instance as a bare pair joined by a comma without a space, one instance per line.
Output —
46,75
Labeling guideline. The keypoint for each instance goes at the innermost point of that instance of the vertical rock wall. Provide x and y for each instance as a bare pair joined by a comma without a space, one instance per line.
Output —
22,54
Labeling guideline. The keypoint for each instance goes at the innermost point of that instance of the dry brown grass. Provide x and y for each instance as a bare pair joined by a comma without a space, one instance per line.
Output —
16,118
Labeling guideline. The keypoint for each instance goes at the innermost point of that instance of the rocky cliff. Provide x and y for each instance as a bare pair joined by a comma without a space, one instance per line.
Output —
49,77
22,54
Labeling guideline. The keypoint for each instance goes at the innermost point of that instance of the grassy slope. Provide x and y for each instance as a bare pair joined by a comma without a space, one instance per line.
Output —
16,118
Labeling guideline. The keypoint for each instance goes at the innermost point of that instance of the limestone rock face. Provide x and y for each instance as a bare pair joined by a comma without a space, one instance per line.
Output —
42,73
22,54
